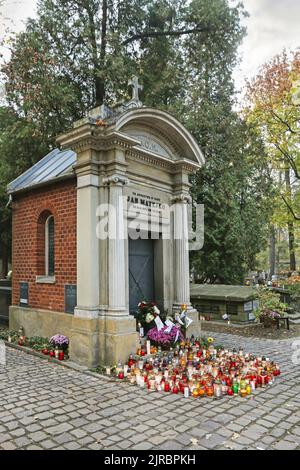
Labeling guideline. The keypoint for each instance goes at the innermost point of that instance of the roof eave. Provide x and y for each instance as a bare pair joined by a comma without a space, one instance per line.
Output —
57,179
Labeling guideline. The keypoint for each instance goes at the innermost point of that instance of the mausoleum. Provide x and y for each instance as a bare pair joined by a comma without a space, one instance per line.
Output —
93,233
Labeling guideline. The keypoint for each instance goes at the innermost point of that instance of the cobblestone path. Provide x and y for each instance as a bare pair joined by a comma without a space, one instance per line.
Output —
46,406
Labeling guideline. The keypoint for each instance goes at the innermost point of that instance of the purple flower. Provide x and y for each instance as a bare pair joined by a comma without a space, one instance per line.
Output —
163,338
270,314
59,340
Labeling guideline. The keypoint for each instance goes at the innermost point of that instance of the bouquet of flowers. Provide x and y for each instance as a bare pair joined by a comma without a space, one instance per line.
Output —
270,314
59,340
165,337
147,312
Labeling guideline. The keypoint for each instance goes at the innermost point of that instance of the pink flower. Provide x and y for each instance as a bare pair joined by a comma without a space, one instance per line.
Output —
163,338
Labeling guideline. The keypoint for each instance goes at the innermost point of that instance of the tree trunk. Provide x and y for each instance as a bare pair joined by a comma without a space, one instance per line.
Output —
100,82
291,232
272,250
98,62
4,269
292,246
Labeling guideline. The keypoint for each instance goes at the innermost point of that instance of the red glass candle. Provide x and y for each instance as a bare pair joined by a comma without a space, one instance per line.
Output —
175,389
121,375
52,353
259,381
230,392
167,387
61,355
131,361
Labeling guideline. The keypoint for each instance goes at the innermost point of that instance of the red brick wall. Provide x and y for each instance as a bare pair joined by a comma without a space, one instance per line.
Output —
58,199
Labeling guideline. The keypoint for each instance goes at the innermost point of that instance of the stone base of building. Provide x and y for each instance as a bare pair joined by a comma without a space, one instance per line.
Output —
103,340
195,327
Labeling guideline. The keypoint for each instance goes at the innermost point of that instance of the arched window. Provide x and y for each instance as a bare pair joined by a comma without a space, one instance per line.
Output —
49,246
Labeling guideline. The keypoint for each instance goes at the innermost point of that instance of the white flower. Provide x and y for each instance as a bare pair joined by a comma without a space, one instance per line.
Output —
149,318
156,310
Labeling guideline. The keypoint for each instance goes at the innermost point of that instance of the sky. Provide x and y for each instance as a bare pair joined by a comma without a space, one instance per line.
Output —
272,26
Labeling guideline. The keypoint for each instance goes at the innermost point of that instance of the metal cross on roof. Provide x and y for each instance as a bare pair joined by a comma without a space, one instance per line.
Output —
134,82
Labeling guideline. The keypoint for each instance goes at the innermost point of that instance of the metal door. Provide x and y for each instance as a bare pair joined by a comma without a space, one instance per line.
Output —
141,272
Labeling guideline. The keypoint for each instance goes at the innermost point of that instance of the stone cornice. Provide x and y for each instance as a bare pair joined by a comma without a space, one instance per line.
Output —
87,167
88,136
186,166
150,159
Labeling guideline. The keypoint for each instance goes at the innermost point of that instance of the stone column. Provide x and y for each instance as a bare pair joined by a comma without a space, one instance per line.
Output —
87,247
181,262
117,329
116,246
181,250
84,337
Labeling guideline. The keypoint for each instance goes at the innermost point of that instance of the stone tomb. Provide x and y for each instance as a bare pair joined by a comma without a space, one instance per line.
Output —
129,160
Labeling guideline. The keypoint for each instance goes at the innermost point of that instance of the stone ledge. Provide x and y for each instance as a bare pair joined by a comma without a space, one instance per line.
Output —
45,279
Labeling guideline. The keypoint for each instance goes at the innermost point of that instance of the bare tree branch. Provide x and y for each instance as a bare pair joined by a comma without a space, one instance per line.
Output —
293,131
157,34
290,160
291,210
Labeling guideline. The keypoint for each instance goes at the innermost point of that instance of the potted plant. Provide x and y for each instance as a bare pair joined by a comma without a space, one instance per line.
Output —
60,342
165,338
270,307
268,318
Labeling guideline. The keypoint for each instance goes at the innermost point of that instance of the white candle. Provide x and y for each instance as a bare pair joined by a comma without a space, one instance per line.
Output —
148,347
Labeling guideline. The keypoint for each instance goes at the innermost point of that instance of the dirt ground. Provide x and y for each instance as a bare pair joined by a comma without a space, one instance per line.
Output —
255,331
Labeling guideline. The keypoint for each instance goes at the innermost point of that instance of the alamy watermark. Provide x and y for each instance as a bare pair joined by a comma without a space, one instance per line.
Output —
296,352
178,221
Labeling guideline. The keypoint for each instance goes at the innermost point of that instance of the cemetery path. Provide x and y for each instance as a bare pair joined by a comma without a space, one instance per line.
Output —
47,406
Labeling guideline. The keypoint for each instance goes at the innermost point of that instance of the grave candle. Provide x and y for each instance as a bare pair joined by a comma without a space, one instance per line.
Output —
125,370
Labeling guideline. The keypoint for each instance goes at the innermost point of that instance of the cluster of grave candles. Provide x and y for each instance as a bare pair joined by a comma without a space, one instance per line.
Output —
194,371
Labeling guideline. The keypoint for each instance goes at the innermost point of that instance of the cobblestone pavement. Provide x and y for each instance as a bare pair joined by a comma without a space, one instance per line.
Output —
46,406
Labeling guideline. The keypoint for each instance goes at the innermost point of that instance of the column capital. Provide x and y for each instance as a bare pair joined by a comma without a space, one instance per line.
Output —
115,180
181,198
